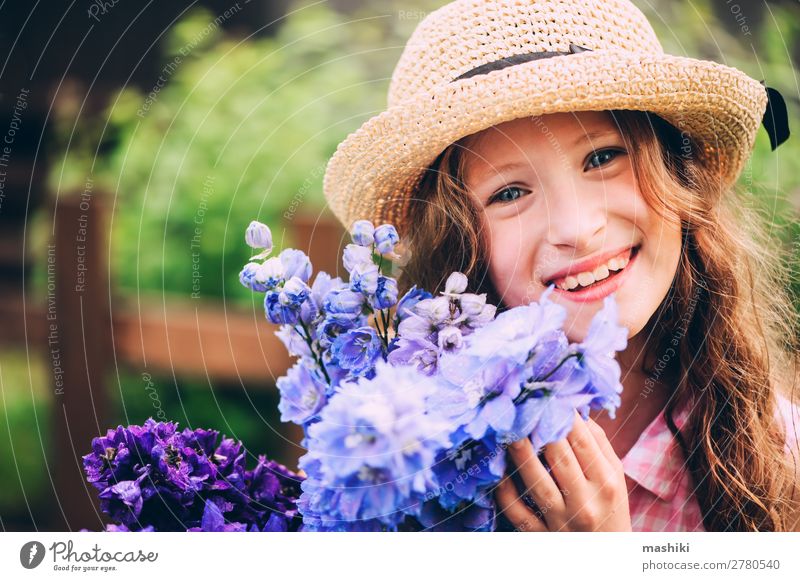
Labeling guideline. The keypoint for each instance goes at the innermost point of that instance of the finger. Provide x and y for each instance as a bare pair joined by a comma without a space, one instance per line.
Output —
538,482
564,466
602,441
512,506
587,451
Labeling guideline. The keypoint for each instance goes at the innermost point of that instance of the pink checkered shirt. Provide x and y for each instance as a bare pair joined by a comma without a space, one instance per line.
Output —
660,491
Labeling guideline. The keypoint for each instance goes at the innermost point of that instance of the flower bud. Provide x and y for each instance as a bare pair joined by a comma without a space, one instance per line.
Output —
258,236
362,232
355,255
456,284
385,238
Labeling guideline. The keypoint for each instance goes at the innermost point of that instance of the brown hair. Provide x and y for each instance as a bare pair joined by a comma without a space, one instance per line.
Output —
728,306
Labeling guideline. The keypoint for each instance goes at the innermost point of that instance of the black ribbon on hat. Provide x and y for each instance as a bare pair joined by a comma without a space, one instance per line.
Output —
775,120
517,59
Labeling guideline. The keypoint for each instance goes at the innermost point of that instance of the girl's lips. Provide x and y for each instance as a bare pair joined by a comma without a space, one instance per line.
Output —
602,289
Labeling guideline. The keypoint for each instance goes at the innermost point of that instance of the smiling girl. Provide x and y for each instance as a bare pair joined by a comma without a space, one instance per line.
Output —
553,143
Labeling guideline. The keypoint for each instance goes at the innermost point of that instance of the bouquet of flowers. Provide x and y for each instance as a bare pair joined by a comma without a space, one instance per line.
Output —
407,405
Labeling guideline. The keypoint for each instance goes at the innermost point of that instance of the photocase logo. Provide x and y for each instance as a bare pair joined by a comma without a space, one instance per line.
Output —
31,554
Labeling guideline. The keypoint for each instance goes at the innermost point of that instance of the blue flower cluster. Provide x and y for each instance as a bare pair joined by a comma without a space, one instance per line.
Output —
407,414
156,478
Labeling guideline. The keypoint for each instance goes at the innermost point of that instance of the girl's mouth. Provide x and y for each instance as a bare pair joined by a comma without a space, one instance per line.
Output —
599,289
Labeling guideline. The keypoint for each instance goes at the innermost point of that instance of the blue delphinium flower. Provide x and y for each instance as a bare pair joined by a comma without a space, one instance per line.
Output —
412,297
386,238
385,295
355,255
597,359
477,515
362,232
312,310
295,263
467,470
357,350
302,392
364,278
343,301
277,312
247,277
516,332
294,293
373,449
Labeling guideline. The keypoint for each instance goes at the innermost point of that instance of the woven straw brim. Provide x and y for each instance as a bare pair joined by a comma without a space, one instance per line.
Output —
376,169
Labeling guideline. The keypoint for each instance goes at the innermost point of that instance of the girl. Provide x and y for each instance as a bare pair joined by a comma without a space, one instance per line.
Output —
538,143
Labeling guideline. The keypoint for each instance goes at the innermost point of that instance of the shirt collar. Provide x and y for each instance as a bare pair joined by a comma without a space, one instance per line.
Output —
655,462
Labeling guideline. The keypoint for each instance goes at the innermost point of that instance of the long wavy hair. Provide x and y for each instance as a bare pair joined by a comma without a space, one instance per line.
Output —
729,305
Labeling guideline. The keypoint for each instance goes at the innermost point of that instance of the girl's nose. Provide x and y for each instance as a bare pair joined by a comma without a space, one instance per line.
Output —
574,220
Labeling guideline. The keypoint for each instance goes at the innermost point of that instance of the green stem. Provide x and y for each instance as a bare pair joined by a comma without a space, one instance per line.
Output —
523,395
310,343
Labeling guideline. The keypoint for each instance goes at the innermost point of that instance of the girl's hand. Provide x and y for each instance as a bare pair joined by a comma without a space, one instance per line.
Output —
586,492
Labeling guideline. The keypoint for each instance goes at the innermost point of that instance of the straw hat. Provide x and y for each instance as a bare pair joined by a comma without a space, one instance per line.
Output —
555,56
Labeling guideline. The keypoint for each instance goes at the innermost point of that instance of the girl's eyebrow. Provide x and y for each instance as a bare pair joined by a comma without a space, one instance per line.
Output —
595,134
495,170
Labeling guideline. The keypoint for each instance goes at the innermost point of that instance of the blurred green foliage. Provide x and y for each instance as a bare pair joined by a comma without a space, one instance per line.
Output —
25,423
240,130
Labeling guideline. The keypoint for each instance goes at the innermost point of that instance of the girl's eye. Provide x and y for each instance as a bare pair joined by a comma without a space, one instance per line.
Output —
602,157
507,195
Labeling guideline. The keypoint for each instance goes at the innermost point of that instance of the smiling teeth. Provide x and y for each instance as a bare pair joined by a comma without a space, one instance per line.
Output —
603,271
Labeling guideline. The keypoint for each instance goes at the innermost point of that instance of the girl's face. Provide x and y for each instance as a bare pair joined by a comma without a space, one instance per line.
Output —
560,203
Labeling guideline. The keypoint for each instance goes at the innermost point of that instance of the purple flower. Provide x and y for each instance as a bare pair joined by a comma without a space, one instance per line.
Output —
450,339
415,328
467,470
153,477
516,332
214,522
419,353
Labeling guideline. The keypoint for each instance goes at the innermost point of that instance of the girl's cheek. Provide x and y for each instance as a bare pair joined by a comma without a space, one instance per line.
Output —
511,271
